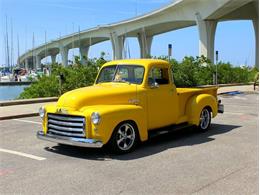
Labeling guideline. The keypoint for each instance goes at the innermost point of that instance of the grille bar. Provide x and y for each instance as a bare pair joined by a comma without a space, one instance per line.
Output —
66,125
61,128
66,133
66,118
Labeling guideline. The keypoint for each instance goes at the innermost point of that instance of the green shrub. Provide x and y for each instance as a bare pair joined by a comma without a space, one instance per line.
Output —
44,87
197,71
192,71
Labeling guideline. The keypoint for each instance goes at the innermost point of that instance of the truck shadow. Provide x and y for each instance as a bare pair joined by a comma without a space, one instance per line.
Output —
160,143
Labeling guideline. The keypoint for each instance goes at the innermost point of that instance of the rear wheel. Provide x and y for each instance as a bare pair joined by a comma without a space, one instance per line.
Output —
205,119
124,138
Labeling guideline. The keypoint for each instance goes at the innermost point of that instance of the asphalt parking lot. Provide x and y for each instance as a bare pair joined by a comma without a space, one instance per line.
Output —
223,160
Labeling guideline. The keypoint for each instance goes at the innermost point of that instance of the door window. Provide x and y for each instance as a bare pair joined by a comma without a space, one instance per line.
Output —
158,75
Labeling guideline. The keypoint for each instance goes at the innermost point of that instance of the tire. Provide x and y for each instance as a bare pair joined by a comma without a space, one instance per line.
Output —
205,119
124,138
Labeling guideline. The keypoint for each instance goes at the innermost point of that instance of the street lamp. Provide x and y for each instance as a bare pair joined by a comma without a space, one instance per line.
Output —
169,51
216,67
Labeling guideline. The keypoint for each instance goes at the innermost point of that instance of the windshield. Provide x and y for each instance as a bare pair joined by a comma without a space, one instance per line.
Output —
121,73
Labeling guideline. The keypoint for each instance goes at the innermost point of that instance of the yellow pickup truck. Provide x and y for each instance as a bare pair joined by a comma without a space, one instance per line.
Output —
129,100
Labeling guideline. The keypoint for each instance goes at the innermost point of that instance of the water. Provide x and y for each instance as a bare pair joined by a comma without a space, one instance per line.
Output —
11,92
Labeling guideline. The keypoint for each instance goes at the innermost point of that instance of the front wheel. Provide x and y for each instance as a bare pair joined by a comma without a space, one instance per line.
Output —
205,120
124,138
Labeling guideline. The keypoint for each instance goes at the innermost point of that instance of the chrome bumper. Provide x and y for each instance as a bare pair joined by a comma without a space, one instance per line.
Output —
89,143
220,108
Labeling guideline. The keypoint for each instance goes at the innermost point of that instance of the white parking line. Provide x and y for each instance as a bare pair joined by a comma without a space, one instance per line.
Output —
22,154
234,113
26,121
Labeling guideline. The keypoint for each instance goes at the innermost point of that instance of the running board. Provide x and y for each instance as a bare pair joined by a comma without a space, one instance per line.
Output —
168,129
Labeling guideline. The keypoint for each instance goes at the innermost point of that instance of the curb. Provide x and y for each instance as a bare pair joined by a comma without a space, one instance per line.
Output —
235,84
18,116
228,85
28,101
16,83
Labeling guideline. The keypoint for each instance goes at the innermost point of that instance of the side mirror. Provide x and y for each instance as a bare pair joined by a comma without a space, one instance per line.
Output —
154,85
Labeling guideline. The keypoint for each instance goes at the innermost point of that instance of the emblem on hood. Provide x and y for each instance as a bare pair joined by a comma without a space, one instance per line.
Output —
62,111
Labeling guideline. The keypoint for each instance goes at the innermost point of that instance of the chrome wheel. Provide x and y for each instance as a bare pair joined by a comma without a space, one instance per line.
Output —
205,119
125,137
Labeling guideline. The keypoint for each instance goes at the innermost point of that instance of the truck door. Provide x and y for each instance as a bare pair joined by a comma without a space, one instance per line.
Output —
161,98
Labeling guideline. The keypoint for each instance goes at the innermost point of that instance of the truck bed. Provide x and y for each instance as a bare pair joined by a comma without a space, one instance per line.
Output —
185,93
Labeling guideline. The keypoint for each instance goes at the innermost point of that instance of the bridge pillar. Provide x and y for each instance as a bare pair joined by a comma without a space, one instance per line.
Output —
53,58
83,54
117,45
207,30
64,55
145,43
38,61
256,26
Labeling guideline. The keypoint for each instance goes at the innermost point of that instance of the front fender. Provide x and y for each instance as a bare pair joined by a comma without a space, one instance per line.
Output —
195,105
111,116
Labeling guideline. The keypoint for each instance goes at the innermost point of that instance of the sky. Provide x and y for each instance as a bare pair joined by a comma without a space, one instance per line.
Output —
234,40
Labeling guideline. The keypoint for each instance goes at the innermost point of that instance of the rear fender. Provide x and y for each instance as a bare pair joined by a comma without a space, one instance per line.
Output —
195,105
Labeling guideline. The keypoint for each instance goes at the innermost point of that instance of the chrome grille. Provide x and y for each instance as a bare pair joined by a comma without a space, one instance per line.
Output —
66,125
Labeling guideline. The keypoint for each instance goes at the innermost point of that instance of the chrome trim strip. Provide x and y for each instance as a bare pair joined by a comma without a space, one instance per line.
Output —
64,123
66,128
65,133
82,142
65,118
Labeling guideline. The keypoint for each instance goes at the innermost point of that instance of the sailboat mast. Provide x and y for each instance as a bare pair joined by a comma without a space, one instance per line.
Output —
12,48
7,43
81,57
73,42
33,60
25,39
45,37
79,36
5,54
18,50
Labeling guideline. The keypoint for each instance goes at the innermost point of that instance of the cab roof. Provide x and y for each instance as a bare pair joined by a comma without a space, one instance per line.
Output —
144,62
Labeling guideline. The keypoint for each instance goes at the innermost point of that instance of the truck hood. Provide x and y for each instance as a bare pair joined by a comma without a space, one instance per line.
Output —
101,94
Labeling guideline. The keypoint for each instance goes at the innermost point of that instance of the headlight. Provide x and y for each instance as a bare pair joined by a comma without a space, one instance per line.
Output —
95,118
42,112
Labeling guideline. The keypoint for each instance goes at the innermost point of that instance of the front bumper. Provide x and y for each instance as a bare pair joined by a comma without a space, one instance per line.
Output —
89,143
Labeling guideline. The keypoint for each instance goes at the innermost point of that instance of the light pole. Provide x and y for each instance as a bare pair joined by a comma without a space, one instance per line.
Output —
169,52
216,67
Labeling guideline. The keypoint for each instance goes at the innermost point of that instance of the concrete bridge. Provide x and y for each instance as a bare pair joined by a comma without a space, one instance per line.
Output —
179,14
